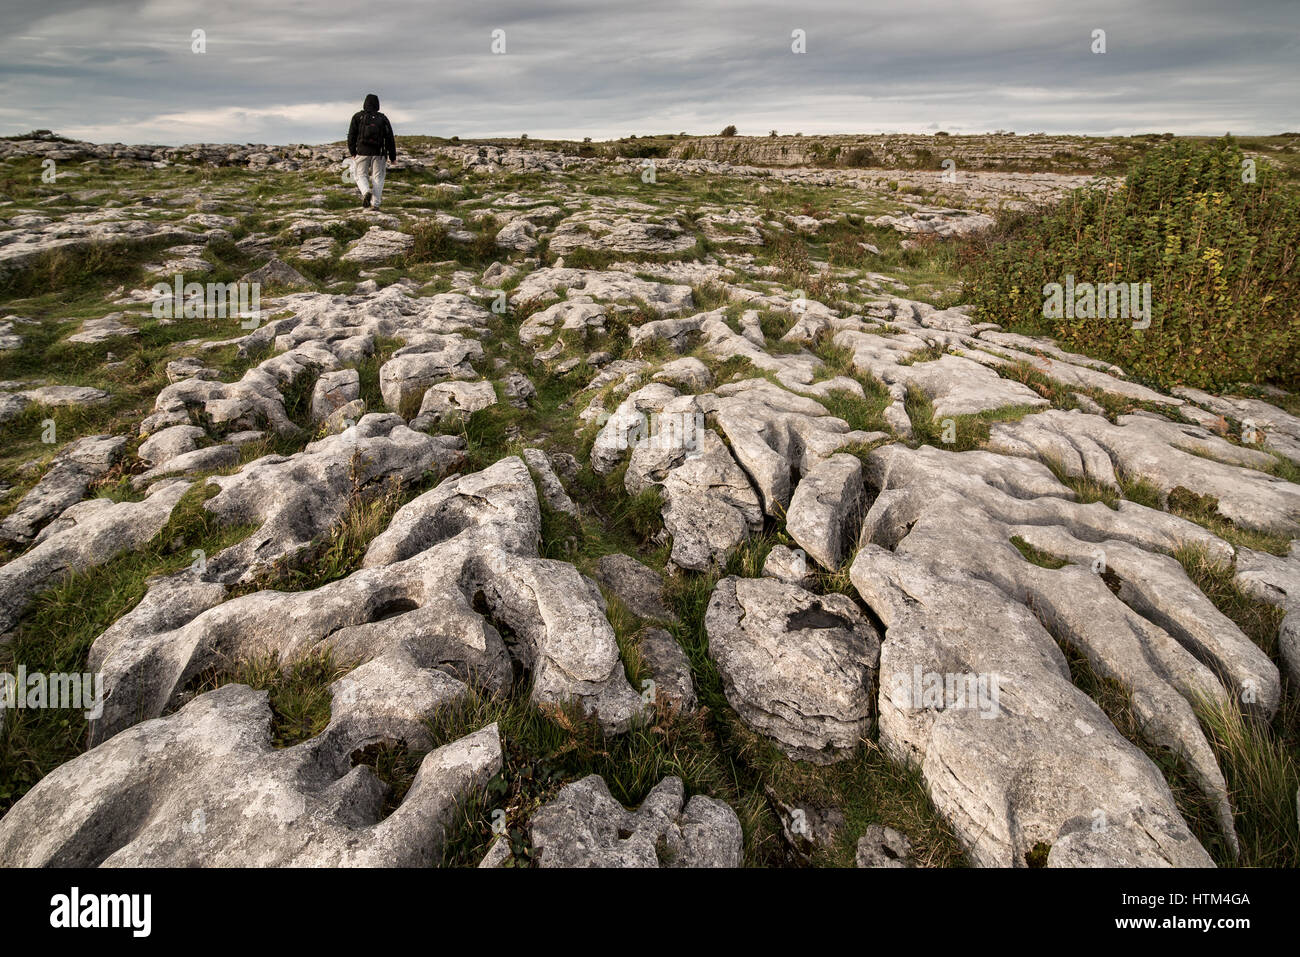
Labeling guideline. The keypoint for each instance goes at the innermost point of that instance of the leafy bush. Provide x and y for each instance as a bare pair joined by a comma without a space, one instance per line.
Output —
728,131
642,150
923,158
860,156
1219,253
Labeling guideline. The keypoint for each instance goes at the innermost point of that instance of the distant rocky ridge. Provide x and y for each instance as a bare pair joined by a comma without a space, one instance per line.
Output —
755,158
901,150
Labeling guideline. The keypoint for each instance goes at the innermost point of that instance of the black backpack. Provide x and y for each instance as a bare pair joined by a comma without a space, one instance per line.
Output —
370,135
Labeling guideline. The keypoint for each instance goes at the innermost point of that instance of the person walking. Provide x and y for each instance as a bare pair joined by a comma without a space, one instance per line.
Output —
372,148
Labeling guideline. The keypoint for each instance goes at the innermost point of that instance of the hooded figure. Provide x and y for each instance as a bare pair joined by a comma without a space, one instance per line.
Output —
372,147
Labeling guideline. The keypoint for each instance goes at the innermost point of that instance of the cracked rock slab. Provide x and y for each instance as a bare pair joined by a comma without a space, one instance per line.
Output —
1260,420
212,458
85,535
295,498
776,435
379,245
94,331
251,402
65,483
166,444
549,483
1118,596
449,401
1048,767
1276,580
204,787
797,667
610,285
456,570
411,371
332,391
65,395
491,521
624,236
571,315
585,827
826,510
710,508
1170,455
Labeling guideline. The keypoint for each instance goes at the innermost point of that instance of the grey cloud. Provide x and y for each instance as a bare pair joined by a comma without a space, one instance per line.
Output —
124,70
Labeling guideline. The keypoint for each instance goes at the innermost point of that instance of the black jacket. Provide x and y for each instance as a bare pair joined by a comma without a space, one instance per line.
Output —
371,105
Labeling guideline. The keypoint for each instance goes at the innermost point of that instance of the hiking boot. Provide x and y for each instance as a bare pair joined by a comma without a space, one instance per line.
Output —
365,201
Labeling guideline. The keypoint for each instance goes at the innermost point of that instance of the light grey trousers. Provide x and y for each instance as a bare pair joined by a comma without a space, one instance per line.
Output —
368,172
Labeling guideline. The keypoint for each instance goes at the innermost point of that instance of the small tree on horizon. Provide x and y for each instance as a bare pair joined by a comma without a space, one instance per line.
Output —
729,130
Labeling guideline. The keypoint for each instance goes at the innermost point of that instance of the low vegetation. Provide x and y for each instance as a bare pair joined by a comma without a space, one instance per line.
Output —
1213,233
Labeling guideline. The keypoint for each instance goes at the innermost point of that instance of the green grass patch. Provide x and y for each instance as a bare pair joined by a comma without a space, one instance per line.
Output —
1036,556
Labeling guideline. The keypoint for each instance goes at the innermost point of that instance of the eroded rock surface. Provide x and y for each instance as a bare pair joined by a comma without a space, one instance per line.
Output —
1117,596
468,544
220,795
585,827
1167,454
796,666
293,499
84,536
65,483
1276,580
387,453
882,847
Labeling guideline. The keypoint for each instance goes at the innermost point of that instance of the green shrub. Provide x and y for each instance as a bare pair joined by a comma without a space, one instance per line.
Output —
860,156
1218,252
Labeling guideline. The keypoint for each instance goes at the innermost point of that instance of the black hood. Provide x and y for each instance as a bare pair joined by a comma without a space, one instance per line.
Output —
372,103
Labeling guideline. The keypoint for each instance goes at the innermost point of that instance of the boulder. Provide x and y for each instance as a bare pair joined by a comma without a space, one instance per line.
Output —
826,509
332,391
638,586
379,245
881,846
585,827
797,667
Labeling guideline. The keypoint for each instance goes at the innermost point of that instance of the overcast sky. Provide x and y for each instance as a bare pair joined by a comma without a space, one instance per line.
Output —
125,71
